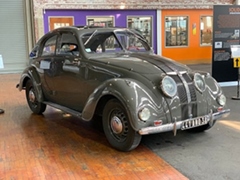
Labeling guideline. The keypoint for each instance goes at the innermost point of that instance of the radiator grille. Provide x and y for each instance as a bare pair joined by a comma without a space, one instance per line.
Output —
180,89
191,87
187,106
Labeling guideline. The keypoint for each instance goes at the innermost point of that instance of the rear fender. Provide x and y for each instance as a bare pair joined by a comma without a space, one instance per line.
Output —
30,73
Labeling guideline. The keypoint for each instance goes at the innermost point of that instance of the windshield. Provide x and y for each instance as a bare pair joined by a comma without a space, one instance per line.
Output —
114,41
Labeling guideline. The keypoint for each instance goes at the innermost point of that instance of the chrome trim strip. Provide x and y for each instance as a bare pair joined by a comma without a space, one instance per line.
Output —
178,125
188,95
176,72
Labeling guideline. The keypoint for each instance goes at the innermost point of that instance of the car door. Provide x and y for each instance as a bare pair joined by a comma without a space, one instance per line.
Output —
79,76
68,84
46,66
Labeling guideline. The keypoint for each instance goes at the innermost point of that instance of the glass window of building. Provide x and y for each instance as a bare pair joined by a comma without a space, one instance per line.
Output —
104,21
176,31
142,24
206,28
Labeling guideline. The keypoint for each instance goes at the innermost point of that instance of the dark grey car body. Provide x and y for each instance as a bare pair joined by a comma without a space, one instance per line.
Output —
83,80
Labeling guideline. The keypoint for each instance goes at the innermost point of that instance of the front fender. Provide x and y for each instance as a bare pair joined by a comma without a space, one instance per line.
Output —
31,73
132,94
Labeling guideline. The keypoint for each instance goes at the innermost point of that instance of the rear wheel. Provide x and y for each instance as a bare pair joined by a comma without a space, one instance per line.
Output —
117,127
35,106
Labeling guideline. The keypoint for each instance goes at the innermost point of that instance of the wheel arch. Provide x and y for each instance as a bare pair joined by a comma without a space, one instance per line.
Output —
102,102
31,74
122,90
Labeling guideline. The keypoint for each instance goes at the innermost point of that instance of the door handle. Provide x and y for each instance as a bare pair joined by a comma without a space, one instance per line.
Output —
76,62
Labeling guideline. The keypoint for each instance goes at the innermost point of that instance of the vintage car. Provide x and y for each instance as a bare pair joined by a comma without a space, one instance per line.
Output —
113,73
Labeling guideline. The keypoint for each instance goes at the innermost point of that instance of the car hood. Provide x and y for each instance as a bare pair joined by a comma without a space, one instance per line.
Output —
143,63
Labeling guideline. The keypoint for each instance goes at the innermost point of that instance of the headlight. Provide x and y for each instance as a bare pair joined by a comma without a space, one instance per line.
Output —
199,82
169,86
221,100
144,114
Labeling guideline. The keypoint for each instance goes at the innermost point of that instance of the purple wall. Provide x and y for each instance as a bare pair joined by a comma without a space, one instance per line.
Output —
120,17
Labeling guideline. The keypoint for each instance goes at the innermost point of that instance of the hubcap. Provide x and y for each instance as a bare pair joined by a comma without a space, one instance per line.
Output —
116,125
31,96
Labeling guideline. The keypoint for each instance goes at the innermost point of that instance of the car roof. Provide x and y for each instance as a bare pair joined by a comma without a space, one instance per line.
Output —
80,30
84,29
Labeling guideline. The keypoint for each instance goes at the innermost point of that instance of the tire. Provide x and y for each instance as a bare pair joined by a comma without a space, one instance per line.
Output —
34,105
201,128
122,137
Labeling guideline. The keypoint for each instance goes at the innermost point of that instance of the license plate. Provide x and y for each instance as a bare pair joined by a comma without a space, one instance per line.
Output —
195,122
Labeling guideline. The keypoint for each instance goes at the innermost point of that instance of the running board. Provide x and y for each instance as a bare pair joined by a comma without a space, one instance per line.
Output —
65,109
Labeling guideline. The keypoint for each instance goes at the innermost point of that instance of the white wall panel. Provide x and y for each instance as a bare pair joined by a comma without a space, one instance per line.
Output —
13,38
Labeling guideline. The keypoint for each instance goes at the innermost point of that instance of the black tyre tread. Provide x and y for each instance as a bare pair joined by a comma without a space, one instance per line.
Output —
40,106
133,137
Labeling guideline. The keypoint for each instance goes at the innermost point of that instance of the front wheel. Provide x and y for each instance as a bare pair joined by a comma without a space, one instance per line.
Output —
35,106
117,127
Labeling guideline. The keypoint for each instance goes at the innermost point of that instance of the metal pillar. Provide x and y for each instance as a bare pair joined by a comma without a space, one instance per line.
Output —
237,2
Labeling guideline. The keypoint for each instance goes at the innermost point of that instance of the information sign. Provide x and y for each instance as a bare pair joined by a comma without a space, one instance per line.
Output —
226,34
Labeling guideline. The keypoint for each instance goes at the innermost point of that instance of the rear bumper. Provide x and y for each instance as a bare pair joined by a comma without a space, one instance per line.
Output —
185,124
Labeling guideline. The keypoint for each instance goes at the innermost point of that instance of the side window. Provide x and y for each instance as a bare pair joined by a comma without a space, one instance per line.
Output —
132,42
49,46
103,42
68,45
110,44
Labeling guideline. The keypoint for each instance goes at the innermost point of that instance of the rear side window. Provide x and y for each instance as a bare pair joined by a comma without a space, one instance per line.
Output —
49,46
68,45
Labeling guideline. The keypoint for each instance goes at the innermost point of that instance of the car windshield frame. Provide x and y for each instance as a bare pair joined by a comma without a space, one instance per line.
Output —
103,42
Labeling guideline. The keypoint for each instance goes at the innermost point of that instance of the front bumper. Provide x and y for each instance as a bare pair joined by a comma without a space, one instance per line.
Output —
185,124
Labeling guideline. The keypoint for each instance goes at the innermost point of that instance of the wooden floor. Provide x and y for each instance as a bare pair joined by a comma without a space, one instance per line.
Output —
58,146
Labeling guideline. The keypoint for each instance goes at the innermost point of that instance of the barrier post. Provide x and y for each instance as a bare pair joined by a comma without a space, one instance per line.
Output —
236,64
1,67
235,49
